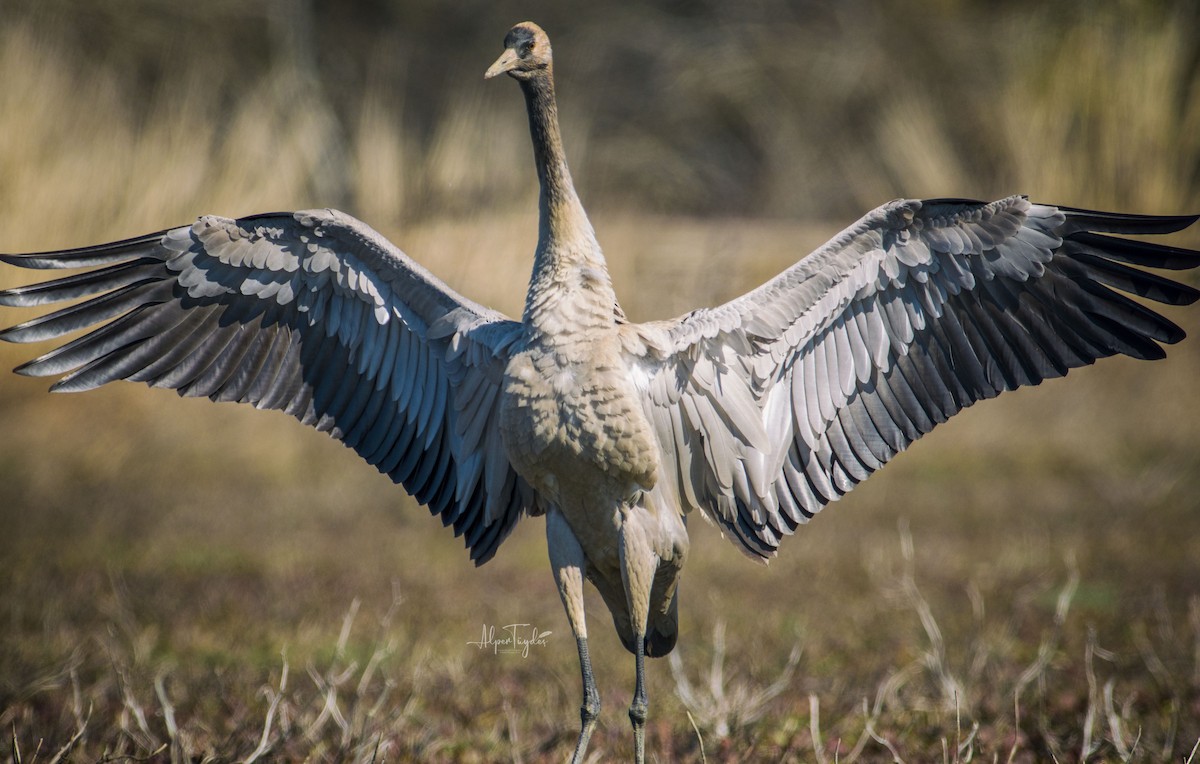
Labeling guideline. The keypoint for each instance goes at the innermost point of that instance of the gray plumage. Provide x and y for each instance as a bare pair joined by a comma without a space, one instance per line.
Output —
757,413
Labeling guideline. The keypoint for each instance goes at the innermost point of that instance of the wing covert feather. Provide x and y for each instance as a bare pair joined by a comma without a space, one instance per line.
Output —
910,315
311,313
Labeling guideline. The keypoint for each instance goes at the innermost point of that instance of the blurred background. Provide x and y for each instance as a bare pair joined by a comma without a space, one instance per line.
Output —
796,110
156,555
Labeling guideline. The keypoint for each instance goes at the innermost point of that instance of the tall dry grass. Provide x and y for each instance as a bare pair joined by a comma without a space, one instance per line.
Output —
769,110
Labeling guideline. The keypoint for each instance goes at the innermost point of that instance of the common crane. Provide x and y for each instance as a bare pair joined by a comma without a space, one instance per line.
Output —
756,413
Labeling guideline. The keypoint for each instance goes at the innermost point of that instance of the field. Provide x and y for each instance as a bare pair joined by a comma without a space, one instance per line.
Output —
182,581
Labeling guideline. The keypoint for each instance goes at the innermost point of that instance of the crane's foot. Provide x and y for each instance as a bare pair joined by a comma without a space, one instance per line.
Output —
589,713
640,707
637,715
590,710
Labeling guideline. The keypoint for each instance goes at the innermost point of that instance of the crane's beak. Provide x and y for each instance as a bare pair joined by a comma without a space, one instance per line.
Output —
506,63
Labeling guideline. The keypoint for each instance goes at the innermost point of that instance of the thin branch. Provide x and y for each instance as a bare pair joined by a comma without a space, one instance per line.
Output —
935,658
264,743
1087,748
1046,649
814,727
699,737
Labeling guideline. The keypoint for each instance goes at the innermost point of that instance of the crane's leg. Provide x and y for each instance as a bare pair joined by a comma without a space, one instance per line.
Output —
640,707
638,565
569,563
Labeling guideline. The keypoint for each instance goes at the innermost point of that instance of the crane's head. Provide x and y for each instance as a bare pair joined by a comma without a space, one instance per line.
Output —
526,53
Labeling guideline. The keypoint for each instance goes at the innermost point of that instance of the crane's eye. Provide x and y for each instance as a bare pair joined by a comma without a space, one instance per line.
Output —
526,49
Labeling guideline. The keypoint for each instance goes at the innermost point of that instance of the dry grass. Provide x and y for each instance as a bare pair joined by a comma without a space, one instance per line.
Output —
183,581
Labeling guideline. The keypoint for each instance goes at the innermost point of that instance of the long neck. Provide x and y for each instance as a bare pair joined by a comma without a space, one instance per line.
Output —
568,258
558,193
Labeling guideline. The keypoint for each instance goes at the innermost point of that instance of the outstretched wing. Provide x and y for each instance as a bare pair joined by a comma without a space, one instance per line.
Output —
777,403
311,313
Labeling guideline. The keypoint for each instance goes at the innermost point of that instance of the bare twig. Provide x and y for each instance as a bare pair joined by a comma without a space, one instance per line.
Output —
1115,729
347,625
1089,719
1194,620
1192,756
142,734
106,759
723,708
328,686
330,682
967,746
883,742
81,722
169,719
814,727
264,743
699,737
1048,646
1157,668
935,657
1164,678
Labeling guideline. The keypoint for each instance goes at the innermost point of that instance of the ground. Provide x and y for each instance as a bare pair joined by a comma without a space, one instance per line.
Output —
188,580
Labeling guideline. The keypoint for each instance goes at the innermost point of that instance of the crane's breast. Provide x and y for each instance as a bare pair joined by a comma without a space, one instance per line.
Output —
573,427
